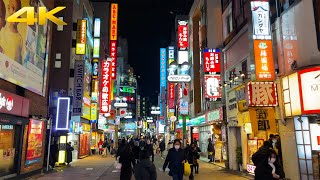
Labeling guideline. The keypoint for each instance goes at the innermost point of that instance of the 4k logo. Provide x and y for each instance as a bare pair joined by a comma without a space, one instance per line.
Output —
43,16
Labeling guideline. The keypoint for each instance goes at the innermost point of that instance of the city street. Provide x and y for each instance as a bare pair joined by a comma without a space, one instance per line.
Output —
96,167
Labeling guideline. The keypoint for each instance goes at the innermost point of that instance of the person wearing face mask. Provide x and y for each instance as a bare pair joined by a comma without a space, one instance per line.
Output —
175,160
269,168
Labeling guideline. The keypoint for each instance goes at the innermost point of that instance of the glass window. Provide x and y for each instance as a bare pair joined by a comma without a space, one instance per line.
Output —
299,137
7,150
303,166
297,123
301,152
306,137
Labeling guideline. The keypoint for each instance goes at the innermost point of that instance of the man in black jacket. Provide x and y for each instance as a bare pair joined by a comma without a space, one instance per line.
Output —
145,169
162,147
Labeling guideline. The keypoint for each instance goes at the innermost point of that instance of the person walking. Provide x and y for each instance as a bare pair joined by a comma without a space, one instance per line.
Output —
127,161
100,146
191,154
69,149
210,150
149,148
145,169
196,163
136,151
54,149
162,147
175,160
155,147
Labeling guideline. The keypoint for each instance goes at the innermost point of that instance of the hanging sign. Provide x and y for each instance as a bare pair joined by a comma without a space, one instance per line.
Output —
211,58
105,86
262,94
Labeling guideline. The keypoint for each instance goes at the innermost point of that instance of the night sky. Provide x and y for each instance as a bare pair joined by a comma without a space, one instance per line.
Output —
147,24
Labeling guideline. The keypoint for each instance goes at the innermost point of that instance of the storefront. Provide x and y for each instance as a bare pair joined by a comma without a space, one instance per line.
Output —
84,143
74,135
14,113
301,97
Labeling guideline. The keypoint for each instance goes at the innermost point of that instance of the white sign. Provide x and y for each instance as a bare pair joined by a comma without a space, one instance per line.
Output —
6,102
310,91
260,20
155,112
183,56
179,78
184,107
78,87
120,105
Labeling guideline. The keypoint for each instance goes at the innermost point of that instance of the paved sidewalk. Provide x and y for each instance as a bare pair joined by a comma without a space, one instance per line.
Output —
91,167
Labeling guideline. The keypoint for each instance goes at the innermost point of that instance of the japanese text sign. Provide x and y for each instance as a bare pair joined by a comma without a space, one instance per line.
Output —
262,94
262,119
212,88
211,58
183,35
260,19
170,54
114,22
113,54
263,57
13,104
105,87
163,72
81,37
171,94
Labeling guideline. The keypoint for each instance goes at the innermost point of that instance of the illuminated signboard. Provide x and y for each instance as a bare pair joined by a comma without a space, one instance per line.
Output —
105,86
138,106
163,71
211,58
81,37
114,22
183,35
94,111
262,94
35,139
96,47
97,24
127,90
212,88
113,54
260,19
263,57
95,68
170,54
78,87
63,112
171,94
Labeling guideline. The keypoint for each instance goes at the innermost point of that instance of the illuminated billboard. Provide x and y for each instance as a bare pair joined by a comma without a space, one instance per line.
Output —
113,22
96,47
212,88
163,72
81,37
260,19
263,57
113,54
97,24
183,35
105,90
211,58
170,54
23,50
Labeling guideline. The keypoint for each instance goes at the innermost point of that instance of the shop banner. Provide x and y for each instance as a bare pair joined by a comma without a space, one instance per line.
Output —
260,19
262,94
183,38
94,108
86,108
35,138
263,119
78,87
105,100
214,116
263,58
113,55
211,58
81,37
13,104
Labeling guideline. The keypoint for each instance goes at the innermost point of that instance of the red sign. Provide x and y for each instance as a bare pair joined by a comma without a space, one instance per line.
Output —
13,104
113,54
183,36
211,61
262,94
35,145
211,85
171,95
105,87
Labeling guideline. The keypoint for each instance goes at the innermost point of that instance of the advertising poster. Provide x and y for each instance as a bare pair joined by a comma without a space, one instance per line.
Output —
23,50
35,135
212,88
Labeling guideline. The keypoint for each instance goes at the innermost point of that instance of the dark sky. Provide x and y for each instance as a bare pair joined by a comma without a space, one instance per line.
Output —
147,24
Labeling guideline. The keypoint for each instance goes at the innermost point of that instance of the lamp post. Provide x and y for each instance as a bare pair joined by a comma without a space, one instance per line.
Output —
119,102
183,71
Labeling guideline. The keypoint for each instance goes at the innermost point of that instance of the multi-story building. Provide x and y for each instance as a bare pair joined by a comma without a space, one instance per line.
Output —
71,73
24,93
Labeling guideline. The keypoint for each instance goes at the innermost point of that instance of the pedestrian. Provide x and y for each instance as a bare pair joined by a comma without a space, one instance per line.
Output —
109,144
127,161
191,154
145,169
100,146
196,163
210,150
149,148
155,147
69,149
122,144
142,143
54,149
162,147
268,167
278,147
175,160
136,151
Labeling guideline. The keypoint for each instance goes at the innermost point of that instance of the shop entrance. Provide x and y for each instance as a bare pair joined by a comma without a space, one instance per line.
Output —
9,148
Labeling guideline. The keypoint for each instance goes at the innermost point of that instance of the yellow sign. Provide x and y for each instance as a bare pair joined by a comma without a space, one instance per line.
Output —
262,119
81,37
31,19
114,21
86,127
94,107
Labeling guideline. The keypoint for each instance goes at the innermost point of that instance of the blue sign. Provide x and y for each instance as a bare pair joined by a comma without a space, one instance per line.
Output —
63,113
163,73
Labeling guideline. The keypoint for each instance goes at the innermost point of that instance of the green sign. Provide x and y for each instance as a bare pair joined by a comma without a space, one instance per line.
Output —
127,90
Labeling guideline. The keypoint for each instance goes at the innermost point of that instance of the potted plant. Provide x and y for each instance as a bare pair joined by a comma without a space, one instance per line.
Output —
239,157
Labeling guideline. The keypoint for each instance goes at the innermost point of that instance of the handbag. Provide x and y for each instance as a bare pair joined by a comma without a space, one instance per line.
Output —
187,169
